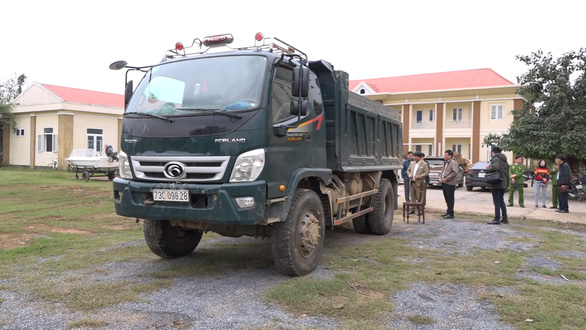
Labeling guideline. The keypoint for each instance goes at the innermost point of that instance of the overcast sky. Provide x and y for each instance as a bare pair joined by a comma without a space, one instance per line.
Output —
72,43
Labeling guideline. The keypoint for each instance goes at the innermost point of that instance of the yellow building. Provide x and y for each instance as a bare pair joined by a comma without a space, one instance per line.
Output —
51,121
448,110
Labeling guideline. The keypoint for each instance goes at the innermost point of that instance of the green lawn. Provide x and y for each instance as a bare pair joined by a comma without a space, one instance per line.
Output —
56,229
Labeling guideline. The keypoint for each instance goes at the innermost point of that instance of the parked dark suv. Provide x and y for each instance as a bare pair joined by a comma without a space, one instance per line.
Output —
436,164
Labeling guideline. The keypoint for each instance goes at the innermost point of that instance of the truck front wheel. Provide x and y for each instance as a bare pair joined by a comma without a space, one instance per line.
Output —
298,241
381,218
168,241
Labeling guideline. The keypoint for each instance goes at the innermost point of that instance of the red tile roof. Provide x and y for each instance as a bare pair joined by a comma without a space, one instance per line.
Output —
75,95
464,79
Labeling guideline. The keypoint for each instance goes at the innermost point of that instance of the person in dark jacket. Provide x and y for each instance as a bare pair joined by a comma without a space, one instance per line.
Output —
499,163
405,177
564,179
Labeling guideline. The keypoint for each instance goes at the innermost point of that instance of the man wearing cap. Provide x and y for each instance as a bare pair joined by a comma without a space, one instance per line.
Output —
516,182
417,172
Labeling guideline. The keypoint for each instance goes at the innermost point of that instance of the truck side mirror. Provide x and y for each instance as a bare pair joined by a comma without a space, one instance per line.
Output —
298,108
300,85
128,91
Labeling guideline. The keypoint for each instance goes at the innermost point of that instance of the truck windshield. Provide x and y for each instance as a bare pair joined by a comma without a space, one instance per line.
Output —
200,85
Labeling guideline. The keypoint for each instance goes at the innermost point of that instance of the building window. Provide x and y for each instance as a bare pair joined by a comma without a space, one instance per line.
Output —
362,91
431,115
419,116
457,148
47,142
496,111
20,132
95,139
457,114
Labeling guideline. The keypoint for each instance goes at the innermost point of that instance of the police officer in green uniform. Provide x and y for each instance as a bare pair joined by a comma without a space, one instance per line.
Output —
516,182
554,185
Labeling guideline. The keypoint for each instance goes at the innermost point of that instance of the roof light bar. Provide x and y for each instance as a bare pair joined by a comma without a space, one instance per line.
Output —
218,40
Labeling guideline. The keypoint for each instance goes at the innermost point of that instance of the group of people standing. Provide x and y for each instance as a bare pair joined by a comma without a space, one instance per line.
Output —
512,178
415,171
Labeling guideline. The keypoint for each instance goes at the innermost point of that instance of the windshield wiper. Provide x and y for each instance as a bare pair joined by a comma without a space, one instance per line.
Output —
193,109
227,114
146,114
213,112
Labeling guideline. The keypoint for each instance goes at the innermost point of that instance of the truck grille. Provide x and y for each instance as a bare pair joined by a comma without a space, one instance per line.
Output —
197,168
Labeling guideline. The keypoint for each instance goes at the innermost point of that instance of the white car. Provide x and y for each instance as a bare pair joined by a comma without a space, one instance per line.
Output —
436,164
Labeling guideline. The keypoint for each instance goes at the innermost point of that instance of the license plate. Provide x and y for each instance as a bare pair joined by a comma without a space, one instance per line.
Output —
481,175
578,186
171,195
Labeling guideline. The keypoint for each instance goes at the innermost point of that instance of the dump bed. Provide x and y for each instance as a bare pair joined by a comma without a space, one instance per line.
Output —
362,134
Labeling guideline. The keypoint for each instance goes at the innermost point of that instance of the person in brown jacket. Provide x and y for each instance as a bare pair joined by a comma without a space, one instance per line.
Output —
449,180
417,172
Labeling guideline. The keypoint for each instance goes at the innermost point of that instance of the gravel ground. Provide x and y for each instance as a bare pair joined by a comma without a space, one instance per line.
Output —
233,299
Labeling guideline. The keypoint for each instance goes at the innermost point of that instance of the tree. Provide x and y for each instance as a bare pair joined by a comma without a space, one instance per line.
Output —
9,90
553,120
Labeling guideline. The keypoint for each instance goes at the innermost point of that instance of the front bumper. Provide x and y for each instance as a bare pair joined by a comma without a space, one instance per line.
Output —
209,203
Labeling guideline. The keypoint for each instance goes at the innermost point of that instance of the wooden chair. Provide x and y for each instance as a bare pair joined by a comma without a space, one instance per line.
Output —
419,206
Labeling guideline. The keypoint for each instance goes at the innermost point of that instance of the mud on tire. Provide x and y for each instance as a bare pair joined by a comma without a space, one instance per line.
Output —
298,242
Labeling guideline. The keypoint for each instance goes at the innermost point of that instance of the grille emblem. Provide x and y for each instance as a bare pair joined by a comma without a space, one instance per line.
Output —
175,170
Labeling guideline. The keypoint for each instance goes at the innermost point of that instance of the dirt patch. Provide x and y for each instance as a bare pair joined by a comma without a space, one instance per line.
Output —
13,241
46,228
8,242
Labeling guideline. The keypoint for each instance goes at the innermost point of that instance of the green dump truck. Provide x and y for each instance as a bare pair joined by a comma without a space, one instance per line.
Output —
254,141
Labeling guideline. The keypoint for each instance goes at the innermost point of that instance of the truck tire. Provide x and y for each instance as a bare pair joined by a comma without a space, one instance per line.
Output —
298,242
168,241
381,218
361,225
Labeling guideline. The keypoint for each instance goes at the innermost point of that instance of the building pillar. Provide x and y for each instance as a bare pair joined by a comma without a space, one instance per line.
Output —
476,144
6,129
64,138
439,128
406,127
33,141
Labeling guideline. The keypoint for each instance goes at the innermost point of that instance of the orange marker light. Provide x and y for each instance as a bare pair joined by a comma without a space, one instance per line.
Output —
282,187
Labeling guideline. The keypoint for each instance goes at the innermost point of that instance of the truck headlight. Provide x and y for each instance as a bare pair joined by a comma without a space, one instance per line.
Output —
248,166
124,166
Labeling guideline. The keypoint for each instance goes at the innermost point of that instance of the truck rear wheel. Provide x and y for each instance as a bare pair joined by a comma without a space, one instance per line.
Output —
381,218
361,225
299,241
168,241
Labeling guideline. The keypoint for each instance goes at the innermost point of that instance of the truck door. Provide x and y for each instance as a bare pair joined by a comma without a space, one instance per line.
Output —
295,142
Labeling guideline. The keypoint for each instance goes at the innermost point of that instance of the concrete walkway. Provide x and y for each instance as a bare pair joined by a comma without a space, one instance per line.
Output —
480,202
